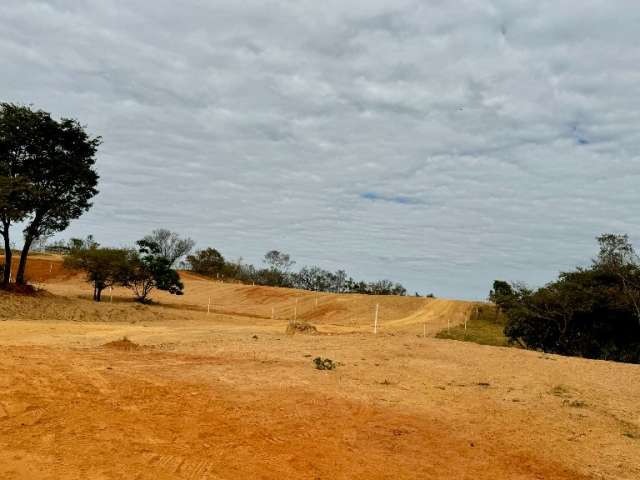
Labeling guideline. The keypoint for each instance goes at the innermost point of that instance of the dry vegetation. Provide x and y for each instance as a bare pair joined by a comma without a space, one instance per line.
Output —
167,391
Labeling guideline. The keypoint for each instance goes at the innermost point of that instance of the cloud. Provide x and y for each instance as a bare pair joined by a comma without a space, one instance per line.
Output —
438,145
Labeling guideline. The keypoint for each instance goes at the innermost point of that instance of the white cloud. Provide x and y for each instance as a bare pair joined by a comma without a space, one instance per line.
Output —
494,138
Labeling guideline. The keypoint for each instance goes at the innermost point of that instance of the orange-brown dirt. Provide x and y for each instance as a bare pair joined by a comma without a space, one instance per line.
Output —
228,394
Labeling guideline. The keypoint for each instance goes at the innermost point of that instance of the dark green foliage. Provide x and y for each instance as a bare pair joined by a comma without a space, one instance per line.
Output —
207,262
47,170
591,312
150,269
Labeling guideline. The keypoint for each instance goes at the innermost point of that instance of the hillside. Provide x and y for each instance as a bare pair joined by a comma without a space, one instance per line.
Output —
168,391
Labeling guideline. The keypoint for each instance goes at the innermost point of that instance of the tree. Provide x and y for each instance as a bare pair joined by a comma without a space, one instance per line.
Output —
17,128
277,273
58,167
618,257
150,269
207,262
589,312
170,245
104,267
278,261
616,252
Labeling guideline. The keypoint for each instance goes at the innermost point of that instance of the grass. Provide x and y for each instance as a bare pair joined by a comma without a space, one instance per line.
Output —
485,328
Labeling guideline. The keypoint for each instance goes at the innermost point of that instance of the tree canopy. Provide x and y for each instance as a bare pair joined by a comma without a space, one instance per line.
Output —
47,174
589,312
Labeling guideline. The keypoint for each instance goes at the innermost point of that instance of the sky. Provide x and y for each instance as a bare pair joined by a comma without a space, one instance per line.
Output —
439,144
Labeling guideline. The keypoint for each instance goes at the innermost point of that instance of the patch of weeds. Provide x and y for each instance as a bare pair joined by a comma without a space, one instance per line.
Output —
485,328
484,384
307,355
324,363
385,382
575,403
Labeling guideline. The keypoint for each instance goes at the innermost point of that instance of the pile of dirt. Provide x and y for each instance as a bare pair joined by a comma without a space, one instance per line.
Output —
301,327
123,344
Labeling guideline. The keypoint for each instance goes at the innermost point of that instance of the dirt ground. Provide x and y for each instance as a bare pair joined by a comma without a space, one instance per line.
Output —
228,395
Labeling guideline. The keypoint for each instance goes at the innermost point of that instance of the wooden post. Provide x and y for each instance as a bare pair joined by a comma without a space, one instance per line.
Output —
50,267
110,294
424,330
448,325
316,301
209,306
375,320
295,311
273,313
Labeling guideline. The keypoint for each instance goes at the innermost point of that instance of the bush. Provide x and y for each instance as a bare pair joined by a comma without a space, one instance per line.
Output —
591,312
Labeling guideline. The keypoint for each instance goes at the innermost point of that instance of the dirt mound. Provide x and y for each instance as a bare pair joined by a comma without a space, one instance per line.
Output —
123,344
301,327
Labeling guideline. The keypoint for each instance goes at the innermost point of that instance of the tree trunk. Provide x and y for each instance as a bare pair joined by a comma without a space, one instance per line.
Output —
8,256
23,260
98,296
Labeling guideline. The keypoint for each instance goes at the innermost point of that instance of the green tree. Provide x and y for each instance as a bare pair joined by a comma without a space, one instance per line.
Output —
57,166
18,125
589,312
104,267
208,262
150,269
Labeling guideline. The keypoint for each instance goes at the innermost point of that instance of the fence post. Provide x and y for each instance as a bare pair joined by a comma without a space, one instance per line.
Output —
375,320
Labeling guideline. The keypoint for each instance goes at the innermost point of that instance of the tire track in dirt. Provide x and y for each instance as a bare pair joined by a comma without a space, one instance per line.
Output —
195,429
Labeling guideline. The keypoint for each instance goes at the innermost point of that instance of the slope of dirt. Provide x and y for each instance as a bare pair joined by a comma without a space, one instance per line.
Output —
226,396
346,312
71,414
41,268
223,396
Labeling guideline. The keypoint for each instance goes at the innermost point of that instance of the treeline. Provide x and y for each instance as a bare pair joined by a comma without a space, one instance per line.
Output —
148,266
151,264
277,272
590,312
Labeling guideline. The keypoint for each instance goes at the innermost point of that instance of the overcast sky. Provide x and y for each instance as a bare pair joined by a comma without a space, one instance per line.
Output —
440,144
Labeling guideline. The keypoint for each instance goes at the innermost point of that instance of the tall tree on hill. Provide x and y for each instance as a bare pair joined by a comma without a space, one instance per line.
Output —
169,244
48,174
17,127
618,257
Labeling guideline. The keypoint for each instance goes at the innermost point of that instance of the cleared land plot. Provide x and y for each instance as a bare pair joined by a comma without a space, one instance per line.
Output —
229,396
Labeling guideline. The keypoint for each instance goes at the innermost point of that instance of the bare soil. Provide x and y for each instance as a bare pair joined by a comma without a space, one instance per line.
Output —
228,394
